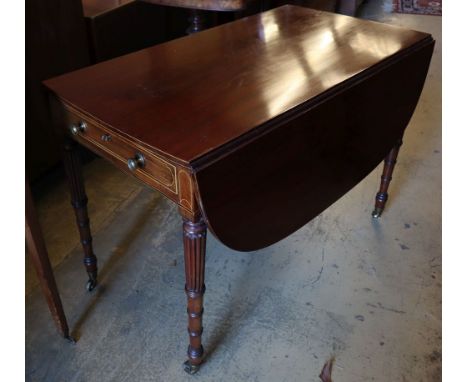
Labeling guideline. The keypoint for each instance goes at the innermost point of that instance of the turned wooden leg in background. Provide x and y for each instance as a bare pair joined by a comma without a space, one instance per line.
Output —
79,201
194,255
389,165
40,258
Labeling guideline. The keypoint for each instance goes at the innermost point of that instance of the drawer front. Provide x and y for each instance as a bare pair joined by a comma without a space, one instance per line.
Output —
153,170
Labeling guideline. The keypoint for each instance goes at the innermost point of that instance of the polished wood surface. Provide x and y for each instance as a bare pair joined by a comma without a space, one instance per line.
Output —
189,97
295,170
252,128
207,5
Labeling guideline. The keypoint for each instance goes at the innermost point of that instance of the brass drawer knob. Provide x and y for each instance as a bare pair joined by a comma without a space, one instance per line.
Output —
137,162
80,128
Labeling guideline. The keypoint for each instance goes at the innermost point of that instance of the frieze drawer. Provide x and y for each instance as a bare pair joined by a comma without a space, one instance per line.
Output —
143,164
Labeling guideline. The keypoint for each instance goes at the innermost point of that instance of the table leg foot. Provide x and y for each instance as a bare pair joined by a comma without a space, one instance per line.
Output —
70,339
377,213
92,281
389,165
190,368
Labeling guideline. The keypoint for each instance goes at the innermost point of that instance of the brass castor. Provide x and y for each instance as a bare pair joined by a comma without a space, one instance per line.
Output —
190,368
377,213
91,284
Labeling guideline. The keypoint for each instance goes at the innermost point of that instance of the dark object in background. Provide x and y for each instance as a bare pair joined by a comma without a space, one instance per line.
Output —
323,5
345,7
348,7
116,28
55,44
40,258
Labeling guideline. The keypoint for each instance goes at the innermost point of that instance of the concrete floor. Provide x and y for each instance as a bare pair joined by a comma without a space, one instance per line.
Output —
367,292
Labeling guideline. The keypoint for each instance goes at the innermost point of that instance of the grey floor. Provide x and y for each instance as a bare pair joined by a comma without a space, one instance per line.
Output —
367,292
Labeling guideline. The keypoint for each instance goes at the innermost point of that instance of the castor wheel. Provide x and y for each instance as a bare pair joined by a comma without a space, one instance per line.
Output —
190,368
90,285
70,339
377,213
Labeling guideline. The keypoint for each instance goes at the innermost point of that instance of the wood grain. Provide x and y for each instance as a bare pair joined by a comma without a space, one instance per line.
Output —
275,116
274,184
191,96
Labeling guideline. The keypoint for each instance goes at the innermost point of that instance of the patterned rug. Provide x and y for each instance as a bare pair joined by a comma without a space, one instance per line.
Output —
418,7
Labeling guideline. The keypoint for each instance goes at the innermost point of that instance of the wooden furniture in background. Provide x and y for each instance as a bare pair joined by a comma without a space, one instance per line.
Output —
196,19
55,44
348,7
323,5
252,129
210,5
38,252
118,27
345,7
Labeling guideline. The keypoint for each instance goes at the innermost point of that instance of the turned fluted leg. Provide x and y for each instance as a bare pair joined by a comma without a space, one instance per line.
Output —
79,201
194,255
389,165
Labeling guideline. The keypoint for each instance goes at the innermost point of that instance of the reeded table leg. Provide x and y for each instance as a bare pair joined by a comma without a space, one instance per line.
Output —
194,255
389,165
79,201
38,252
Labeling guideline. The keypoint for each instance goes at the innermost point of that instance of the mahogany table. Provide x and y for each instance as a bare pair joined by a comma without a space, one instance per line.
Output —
251,128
